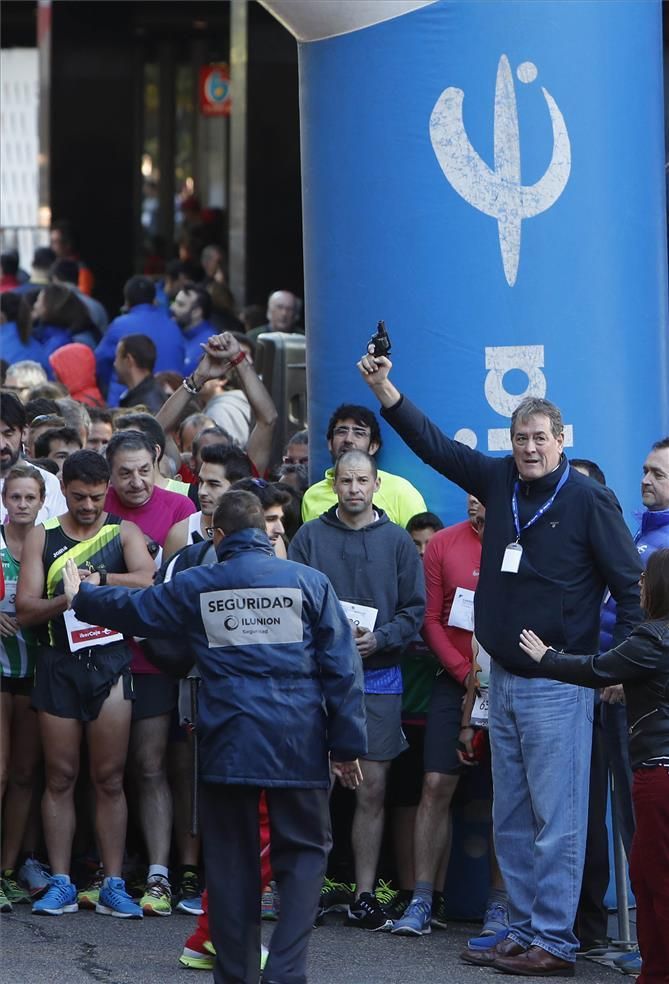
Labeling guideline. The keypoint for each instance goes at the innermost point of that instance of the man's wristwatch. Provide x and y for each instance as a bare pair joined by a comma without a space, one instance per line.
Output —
102,571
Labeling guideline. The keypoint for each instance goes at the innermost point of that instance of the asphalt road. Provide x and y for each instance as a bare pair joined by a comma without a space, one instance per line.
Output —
83,948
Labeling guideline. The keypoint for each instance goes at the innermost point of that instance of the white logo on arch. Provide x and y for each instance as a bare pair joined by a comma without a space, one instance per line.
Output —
498,191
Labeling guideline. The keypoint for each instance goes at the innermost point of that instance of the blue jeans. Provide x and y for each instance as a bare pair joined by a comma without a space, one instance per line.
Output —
540,736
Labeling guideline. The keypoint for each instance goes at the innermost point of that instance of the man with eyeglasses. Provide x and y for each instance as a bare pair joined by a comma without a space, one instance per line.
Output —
297,449
355,428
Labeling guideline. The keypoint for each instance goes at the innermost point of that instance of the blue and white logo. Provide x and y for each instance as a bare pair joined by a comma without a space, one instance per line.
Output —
498,191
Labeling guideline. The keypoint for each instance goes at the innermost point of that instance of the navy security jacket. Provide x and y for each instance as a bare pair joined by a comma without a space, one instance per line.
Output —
577,549
281,679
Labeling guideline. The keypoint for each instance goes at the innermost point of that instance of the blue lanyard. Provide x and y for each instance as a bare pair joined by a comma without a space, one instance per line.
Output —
539,513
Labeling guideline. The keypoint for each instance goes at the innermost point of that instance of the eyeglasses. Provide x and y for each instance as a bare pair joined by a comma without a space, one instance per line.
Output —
288,460
360,432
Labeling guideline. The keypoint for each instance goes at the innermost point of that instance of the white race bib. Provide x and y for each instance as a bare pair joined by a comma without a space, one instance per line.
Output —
82,635
462,610
360,616
8,603
479,717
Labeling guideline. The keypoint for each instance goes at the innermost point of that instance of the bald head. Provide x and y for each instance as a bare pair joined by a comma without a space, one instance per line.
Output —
281,310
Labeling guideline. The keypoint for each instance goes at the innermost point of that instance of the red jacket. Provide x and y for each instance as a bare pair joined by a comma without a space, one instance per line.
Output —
74,366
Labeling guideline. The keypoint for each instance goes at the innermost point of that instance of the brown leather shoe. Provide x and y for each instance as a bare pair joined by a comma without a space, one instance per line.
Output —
488,958
535,962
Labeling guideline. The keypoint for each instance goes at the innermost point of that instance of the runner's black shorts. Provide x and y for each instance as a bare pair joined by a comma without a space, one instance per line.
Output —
405,779
16,686
155,694
76,685
444,717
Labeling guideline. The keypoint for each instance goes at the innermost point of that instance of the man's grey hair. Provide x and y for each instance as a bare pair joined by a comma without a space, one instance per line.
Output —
75,414
532,406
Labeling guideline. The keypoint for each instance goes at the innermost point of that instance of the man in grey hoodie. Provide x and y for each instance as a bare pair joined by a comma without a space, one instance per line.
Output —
378,577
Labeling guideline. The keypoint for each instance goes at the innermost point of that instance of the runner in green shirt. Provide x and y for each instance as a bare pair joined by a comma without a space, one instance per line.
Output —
22,496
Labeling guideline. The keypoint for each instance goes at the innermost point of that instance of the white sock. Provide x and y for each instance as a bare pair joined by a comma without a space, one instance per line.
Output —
158,869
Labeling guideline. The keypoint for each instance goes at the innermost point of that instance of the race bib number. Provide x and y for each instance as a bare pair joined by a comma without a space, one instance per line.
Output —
82,635
8,603
461,615
360,616
252,616
479,718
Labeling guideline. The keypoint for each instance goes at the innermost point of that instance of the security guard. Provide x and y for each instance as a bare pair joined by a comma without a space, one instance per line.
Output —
281,702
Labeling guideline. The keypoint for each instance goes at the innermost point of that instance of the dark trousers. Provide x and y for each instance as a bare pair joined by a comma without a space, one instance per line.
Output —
300,842
592,917
649,870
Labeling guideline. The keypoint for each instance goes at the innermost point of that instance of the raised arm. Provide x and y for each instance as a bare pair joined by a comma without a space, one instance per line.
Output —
226,348
469,469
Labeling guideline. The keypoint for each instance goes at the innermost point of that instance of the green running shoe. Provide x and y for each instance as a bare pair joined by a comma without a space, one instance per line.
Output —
157,898
89,897
14,892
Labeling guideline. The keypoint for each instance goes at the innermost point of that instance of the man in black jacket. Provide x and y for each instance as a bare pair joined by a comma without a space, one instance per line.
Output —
554,541
378,577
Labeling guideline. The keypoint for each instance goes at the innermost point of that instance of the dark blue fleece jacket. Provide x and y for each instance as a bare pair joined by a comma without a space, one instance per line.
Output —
579,547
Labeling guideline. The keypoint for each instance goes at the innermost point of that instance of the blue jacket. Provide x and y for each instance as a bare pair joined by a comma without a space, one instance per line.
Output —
12,349
653,535
281,678
143,319
193,339
579,547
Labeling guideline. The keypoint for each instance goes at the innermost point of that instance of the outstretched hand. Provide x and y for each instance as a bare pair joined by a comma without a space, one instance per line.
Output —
71,581
531,644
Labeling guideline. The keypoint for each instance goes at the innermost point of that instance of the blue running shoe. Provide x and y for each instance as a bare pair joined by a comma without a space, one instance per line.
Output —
115,901
416,920
486,942
60,897
629,963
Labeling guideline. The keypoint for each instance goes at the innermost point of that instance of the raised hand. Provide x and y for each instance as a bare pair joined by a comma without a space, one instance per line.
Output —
71,581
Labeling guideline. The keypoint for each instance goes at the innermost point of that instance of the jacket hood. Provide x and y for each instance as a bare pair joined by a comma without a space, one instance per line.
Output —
331,519
74,365
243,540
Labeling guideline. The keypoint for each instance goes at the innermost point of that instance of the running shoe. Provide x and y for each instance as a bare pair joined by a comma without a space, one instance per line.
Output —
60,897
335,897
189,893
269,903
366,913
115,901
207,950
438,920
198,952
14,892
384,892
415,921
89,897
157,898
495,920
34,876
5,904
629,963
397,907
